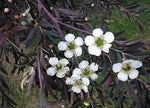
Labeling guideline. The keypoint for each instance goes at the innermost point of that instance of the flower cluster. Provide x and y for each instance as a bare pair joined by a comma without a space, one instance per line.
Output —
81,75
96,43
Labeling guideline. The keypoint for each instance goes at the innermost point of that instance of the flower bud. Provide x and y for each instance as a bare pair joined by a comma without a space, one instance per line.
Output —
10,1
16,16
6,10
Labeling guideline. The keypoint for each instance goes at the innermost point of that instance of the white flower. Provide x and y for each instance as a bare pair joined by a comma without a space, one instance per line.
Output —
127,68
27,15
86,70
99,42
58,67
78,83
71,46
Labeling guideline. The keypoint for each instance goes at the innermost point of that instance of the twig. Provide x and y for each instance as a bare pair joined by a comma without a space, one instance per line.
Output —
57,22
145,84
123,53
14,45
74,28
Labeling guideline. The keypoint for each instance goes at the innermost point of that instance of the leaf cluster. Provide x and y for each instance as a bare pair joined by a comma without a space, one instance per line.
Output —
32,44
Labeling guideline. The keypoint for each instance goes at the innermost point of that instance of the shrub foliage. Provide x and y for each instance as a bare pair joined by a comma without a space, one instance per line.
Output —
30,31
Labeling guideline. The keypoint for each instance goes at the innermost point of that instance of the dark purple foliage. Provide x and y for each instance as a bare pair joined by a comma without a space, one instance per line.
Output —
41,36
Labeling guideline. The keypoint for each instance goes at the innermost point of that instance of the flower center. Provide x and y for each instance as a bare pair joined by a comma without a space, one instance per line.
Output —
126,68
78,83
59,67
71,46
99,42
86,73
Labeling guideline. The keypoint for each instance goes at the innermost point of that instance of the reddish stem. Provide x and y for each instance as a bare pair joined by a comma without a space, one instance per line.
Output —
74,28
56,22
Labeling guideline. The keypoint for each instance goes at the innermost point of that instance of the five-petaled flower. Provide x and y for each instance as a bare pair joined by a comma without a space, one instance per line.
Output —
127,68
99,42
58,67
71,46
86,70
78,83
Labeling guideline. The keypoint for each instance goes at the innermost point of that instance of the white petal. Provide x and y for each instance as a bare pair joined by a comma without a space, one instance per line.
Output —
94,50
85,89
77,71
109,37
79,41
53,60
23,23
69,37
85,81
137,64
83,64
24,14
122,76
61,74
76,89
76,76
70,81
64,61
94,67
27,11
106,47
133,74
89,40
117,67
93,76
66,69
51,71
97,32
62,46
68,54
128,61
78,51
29,18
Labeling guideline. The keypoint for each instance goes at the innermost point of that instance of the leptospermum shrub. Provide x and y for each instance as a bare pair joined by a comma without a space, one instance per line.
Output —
68,58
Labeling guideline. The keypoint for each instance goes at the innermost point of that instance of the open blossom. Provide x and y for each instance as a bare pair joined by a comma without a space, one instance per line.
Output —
78,83
99,42
71,46
58,67
127,68
86,70
27,15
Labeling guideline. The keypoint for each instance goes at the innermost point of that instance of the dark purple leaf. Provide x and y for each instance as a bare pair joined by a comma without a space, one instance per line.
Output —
102,98
119,85
39,70
119,101
132,93
133,42
107,82
30,35
18,28
69,3
3,38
